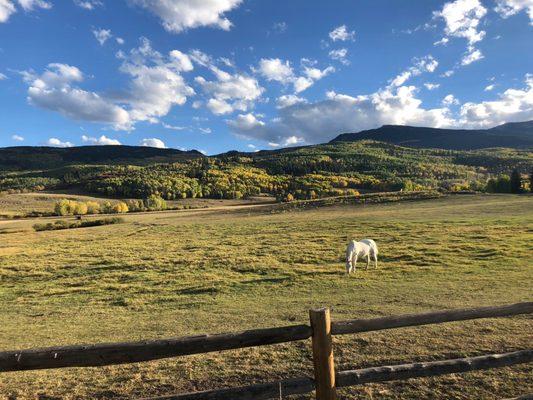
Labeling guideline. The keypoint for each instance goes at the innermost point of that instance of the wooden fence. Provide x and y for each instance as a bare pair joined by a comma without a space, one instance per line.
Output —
325,381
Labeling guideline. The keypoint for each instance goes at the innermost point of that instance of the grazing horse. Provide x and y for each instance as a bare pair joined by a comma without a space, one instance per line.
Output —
365,248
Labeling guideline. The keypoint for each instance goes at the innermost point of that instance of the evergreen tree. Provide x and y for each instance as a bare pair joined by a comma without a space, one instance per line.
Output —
516,182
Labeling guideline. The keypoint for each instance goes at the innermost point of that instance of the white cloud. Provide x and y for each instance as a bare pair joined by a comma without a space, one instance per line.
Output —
323,120
431,86
274,69
153,142
339,55
205,130
174,127
444,41
120,40
513,105
462,19
180,15
471,56
55,90
17,138
2,76
7,7
489,87
88,4
279,27
507,8
55,142
102,35
421,65
101,141
30,5
450,100
341,33
230,92
157,84
289,100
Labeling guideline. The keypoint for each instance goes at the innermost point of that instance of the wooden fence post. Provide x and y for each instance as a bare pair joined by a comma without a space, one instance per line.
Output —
323,354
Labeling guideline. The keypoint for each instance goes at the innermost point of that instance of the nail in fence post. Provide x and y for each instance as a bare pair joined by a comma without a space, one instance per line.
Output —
323,354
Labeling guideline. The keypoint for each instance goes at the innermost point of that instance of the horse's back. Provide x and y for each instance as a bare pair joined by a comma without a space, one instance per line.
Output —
371,244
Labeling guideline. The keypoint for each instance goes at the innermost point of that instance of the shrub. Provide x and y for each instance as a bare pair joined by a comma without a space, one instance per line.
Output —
80,208
289,198
93,207
107,208
135,205
63,207
59,225
155,203
120,207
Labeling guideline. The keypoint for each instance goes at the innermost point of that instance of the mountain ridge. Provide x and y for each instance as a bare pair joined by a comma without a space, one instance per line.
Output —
513,135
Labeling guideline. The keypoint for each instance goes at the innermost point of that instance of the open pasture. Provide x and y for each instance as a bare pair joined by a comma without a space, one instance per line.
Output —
174,274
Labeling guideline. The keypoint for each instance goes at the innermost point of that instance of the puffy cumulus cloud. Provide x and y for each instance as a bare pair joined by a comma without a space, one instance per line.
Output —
471,56
513,105
339,55
88,4
462,19
7,7
17,138
157,84
420,65
289,100
320,121
55,142
507,8
274,69
102,35
153,142
180,15
230,92
341,33
55,90
100,141
450,100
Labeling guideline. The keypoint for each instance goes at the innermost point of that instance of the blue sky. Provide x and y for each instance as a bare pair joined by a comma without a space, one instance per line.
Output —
217,75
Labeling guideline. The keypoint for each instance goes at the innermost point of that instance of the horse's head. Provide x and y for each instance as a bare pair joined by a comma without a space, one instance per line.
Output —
349,256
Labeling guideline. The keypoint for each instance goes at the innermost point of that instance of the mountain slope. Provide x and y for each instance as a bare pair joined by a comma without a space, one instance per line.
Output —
26,157
514,135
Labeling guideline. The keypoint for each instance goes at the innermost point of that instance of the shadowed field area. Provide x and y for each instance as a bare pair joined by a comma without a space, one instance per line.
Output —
174,274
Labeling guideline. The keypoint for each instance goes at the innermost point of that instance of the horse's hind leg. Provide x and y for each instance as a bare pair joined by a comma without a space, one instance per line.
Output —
376,260
367,260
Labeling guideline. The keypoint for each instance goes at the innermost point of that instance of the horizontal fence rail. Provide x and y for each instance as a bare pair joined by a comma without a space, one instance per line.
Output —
130,352
437,317
361,376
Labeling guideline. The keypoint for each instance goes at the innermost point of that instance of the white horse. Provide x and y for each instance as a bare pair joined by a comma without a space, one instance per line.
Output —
365,248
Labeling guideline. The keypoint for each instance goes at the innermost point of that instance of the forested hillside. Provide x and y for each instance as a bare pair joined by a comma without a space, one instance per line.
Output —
305,172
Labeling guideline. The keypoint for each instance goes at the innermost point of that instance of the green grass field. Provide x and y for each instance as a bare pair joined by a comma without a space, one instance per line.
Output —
174,274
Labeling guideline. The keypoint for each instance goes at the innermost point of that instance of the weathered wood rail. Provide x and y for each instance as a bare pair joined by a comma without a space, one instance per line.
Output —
325,381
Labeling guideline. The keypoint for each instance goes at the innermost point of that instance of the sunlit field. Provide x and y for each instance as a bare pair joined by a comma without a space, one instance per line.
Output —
182,273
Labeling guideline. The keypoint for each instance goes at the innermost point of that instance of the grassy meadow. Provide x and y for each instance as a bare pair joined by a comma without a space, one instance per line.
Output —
190,272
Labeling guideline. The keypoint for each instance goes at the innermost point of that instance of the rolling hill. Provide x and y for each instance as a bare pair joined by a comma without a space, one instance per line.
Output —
28,158
512,135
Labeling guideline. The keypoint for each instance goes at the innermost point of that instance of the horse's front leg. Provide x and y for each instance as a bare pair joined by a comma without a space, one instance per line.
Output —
376,260
367,260
354,262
